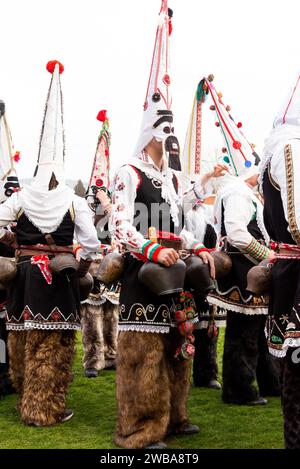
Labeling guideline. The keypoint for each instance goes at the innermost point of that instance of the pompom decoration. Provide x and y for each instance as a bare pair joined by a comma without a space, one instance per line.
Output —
239,125
102,117
106,152
220,95
228,108
185,352
170,27
186,328
224,150
167,79
212,107
237,145
226,159
180,316
252,145
16,157
210,78
248,164
217,124
51,66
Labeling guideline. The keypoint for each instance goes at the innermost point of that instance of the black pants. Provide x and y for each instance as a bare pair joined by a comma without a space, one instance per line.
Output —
291,399
205,366
245,359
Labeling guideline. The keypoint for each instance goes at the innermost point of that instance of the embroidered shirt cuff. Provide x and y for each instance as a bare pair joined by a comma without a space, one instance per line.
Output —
198,247
151,250
256,250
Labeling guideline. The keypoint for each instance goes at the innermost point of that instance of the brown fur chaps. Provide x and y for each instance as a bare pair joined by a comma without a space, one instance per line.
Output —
152,388
40,370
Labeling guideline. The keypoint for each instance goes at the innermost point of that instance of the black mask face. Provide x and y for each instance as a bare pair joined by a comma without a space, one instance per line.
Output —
172,149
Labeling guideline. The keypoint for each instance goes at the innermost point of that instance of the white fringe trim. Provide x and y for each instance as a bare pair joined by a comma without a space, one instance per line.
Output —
143,328
249,311
30,325
89,301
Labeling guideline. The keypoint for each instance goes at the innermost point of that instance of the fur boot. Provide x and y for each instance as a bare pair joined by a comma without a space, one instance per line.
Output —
111,317
92,336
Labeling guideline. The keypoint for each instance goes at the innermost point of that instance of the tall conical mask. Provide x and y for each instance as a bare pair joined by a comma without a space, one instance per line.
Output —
99,179
49,171
158,119
238,152
8,157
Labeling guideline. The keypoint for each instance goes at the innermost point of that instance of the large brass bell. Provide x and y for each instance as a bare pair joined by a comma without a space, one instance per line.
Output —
259,278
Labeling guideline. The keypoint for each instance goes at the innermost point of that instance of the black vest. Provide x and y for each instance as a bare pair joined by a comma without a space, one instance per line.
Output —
150,209
274,218
28,234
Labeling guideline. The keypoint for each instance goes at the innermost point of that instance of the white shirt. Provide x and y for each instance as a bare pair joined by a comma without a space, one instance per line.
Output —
85,231
125,190
239,210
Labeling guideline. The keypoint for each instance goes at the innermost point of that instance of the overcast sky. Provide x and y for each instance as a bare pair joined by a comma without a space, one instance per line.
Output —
252,48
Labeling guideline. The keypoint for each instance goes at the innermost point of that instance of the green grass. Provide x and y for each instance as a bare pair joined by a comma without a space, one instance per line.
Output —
92,427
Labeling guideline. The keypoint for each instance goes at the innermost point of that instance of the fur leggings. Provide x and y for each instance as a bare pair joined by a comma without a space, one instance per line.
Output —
40,370
152,388
99,334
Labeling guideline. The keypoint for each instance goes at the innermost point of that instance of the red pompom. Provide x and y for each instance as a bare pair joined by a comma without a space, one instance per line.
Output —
106,152
51,66
102,117
236,145
239,124
170,27
16,157
212,107
217,124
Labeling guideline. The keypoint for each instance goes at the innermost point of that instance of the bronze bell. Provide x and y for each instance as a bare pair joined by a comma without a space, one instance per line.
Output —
111,268
198,276
223,263
8,271
163,280
86,284
259,278
64,264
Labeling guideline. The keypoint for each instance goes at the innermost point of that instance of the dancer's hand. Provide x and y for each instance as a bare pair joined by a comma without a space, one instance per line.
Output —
103,199
272,257
208,259
167,257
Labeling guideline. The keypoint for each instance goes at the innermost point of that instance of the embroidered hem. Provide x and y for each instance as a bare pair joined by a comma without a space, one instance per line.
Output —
280,351
227,306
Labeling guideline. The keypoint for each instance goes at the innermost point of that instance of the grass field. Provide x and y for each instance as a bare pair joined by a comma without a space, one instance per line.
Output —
92,427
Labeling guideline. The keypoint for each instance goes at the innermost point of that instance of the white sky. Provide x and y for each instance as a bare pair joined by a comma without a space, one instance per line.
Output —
252,47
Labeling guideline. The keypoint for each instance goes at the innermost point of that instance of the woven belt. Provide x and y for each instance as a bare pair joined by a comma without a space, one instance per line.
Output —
42,249
285,251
